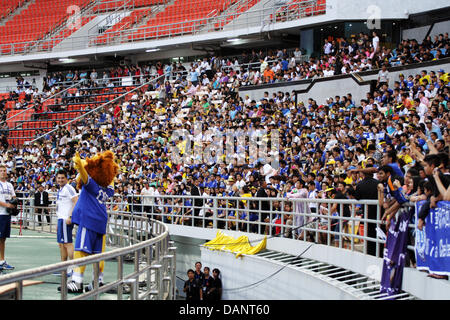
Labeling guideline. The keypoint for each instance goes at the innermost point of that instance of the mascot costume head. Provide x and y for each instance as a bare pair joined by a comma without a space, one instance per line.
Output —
102,168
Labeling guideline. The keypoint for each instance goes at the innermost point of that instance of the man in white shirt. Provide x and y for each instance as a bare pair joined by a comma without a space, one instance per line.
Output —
65,202
240,183
375,41
205,80
263,65
147,199
312,194
6,194
327,47
328,72
94,76
383,76
268,171
297,55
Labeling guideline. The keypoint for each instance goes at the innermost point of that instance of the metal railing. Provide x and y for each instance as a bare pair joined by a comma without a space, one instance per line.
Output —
60,92
237,213
133,218
113,17
145,240
60,25
115,81
87,112
274,217
99,107
228,21
262,216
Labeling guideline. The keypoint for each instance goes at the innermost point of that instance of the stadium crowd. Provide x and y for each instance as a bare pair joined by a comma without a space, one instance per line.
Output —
340,56
334,149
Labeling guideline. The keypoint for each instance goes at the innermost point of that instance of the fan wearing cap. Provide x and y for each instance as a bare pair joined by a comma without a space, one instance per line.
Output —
443,76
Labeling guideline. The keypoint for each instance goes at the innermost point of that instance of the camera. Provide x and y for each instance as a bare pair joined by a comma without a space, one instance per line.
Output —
13,211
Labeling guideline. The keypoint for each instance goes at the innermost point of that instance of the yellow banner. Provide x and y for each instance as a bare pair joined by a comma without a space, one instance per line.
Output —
240,245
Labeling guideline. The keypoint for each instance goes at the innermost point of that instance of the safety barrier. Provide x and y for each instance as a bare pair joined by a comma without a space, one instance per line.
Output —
275,217
133,217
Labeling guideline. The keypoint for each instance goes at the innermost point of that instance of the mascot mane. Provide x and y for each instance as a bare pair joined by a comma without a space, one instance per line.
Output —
102,168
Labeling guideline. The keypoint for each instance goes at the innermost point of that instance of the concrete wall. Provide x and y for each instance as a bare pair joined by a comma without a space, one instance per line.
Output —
249,269
321,91
75,40
253,16
363,9
440,27
289,284
416,33
257,92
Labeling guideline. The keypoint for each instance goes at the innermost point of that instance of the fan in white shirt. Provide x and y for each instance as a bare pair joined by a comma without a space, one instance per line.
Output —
66,199
147,193
6,194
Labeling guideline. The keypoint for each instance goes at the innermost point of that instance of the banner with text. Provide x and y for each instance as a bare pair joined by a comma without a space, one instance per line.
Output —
433,242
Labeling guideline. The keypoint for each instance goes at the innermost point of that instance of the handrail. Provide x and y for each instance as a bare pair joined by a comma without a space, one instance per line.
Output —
97,108
51,97
159,257
233,213
125,5
62,23
63,83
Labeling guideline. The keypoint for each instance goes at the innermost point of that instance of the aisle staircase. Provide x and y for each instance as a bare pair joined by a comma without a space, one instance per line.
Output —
360,286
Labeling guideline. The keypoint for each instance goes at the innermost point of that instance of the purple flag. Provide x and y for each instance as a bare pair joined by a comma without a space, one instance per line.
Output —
394,253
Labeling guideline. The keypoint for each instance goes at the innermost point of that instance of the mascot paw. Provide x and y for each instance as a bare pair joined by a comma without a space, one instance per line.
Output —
77,163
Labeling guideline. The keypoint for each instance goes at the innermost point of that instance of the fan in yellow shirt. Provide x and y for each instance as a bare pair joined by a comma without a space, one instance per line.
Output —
443,76
425,76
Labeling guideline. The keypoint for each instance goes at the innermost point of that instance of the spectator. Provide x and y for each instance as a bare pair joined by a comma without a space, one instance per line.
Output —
41,203
192,287
216,291
367,189
198,272
208,285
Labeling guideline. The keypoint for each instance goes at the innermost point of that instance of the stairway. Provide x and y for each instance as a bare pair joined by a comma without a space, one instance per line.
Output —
16,11
63,30
136,18
360,286
144,19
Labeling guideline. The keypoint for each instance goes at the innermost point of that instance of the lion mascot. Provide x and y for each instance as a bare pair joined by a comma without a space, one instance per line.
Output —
96,182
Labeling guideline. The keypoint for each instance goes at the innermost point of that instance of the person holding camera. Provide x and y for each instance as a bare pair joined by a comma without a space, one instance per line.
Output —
6,195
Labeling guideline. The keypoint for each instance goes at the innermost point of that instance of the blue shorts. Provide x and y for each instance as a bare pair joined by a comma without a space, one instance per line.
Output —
89,241
5,226
64,232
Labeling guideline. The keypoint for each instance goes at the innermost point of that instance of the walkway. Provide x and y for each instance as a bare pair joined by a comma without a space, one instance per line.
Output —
33,249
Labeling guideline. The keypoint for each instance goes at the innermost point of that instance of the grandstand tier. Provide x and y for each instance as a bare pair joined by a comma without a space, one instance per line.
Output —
290,124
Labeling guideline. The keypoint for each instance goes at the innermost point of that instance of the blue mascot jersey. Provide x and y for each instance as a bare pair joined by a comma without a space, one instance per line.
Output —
90,209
